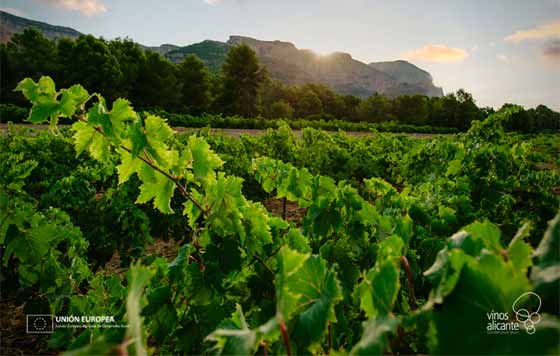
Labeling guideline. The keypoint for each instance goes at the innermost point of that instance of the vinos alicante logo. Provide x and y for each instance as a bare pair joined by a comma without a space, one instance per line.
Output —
526,311
525,316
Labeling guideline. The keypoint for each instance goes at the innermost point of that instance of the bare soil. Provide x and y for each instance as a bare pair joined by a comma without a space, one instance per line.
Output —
293,212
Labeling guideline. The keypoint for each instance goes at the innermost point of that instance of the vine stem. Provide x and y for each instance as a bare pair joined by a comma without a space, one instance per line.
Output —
184,311
122,348
263,345
175,180
329,331
284,331
260,260
406,266
396,342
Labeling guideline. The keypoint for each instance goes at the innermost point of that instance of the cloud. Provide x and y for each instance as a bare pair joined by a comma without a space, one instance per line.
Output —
13,11
503,58
551,51
220,2
548,30
437,53
86,7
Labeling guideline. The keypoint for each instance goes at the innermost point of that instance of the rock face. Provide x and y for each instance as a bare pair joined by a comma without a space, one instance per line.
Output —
12,24
340,71
409,75
283,60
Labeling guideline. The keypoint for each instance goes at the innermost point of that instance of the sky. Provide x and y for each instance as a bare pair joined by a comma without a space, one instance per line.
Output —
498,50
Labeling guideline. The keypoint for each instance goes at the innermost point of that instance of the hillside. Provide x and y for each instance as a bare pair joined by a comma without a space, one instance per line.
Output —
12,24
290,65
284,61
213,53
410,76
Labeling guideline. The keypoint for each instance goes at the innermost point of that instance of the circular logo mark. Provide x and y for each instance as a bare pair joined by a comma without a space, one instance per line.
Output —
524,316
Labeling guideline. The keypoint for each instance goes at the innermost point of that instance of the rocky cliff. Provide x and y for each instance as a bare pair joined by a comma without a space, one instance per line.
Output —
338,70
12,24
290,65
409,75
284,61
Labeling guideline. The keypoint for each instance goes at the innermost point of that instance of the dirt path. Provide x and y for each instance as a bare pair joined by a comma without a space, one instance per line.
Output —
239,132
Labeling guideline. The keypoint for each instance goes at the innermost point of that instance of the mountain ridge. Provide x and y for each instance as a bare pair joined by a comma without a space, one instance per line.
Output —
284,61
11,24
344,74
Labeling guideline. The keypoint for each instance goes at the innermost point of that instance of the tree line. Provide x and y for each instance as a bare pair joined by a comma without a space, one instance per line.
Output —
122,68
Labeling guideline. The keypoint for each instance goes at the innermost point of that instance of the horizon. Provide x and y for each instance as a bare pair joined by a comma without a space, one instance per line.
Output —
508,53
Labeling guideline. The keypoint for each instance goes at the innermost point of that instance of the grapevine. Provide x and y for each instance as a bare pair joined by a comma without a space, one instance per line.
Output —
345,279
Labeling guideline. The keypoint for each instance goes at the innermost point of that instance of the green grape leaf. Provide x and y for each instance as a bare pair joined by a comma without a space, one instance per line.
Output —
29,89
138,278
158,187
98,116
378,189
379,289
161,312
128,166
265,169
405,229
72,99
137,137
519,252
86,137
454,167
545,272
43,96
289,262
204,160
158,129
121,112
43,110
445,273
83,136
46,86
241,340
29,275
100,148
177,266
30,246
157,132
475,237
296,241
391,248
256,217
487,285
227,201
316,291
323,216
548,250
191,210
488,233
374,338
295,185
